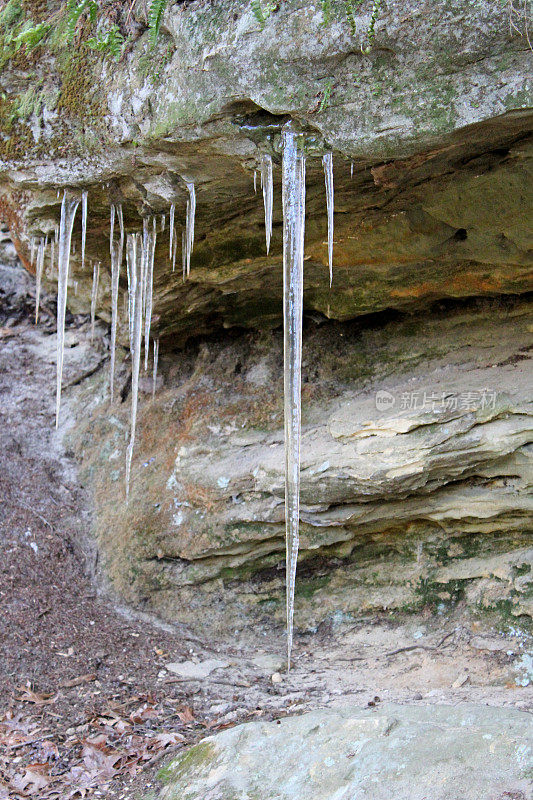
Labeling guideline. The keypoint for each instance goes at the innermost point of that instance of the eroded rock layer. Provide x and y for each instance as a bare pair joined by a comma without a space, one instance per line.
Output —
416,471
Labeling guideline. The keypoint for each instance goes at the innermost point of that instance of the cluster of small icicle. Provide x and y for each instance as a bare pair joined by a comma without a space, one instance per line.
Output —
140,250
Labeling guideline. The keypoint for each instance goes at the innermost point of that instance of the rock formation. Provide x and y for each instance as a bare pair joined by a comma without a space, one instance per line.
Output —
416,461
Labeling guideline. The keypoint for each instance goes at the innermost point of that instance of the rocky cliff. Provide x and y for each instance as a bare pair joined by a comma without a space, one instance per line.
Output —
416,470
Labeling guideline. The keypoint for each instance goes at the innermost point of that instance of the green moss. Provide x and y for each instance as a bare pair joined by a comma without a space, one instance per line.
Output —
307,588
194,759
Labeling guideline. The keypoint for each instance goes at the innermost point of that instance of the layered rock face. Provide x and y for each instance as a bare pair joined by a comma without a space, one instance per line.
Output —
416,458
416,472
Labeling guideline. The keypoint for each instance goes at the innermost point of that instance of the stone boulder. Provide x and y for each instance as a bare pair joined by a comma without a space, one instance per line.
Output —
406,753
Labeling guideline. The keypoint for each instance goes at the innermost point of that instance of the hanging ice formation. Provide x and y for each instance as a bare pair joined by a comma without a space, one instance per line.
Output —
131,290
136,261
171,229
184,253
327,160
174,249
144,255
116,262
267,184
69,206
162,223
149,285
255,181
32,249
38,275
120,216
94,296
293,192
189,226
111,225
156,359
83,227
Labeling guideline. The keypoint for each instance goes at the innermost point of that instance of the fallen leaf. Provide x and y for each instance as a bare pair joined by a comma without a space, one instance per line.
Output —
34,779
143,713
90,676
186,715
161,740
39,698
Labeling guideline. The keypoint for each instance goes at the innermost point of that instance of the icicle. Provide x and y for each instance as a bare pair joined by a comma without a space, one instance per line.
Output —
136,264
131,255
267,184
117,250
293,253
83,227
156,359
351,170
52,256
255,181
111,228
69,207
57,195
162,223
189,226
116,261
174,249
149,294
120,223
32,250
327,160
184,253
94,296
38,276
171,228
145,252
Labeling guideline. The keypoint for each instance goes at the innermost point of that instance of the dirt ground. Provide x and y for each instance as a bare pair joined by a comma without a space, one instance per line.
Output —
88,704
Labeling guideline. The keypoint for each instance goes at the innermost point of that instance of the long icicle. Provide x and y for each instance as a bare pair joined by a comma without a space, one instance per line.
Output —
116,261
94,296
136,264
184,251
174,249
69,207
149,294
267,184
83,226
156,359
145,252
171,229
117,249
293,190
191,212
111,226
327,160
38,276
